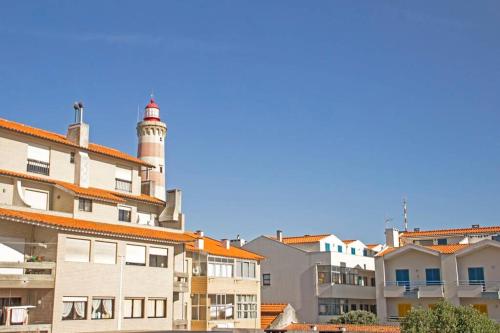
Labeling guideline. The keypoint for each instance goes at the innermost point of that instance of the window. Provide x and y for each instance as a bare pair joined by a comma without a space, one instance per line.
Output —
403,278
327,247
85,205
365,252
157,308
432,276
324,274
77,250
158,257
123,179
247,306
482,308
442,241
104,253
245,269
136,255
38,159
133,308
124,214
266,279
144,218
353,251
161,168
36,199
74,308
221,307
353,307
373,282
199,307
476,275
339,248
103,308
332,306
72,158
220,267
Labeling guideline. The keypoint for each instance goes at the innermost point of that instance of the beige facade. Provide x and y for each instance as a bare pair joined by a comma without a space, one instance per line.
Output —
420,276
87,245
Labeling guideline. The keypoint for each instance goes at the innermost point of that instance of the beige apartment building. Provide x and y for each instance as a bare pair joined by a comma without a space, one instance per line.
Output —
90,240
320,276
420,268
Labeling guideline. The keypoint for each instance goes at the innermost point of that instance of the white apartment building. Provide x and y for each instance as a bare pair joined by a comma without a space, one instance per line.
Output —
420,268
90,240
321,276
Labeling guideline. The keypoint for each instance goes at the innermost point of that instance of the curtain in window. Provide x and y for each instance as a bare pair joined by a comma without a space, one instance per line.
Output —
80,309
137,308
127,308
108,307
67,306
95,307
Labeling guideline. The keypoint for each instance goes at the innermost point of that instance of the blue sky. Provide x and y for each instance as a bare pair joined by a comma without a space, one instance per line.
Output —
306,116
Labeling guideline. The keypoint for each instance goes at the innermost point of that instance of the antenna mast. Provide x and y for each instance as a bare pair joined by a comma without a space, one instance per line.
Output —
405,213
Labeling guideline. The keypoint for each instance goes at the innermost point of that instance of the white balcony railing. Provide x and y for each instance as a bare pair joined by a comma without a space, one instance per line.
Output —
40,167
414,289
123,185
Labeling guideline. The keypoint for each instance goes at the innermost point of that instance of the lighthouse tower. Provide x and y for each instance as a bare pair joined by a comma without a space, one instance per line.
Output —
151,132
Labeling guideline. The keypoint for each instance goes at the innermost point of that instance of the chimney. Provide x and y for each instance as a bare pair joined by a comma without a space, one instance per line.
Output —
200,233
392,237
78,132
225,243
416,229
200,242
279,235
475,226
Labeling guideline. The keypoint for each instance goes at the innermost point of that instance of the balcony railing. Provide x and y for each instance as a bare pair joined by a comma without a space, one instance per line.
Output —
479,288
40,167
414,289
123,185
27,274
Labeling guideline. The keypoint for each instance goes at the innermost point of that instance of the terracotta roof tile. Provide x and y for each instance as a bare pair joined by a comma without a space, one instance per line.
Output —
349,327
215,247
349,241
371,246
444,249
90,192
304,239
444,232
269,312
94,227
55,137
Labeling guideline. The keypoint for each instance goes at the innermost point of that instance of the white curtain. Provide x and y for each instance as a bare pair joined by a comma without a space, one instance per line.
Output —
18,315
67,306
95,307
108,307
80,309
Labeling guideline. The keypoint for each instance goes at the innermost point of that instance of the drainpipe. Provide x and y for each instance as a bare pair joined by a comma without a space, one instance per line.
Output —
120,295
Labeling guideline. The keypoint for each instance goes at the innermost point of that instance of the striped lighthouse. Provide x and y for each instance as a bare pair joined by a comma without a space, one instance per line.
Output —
151,133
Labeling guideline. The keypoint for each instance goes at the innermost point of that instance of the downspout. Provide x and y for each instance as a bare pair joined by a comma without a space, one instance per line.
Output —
120,295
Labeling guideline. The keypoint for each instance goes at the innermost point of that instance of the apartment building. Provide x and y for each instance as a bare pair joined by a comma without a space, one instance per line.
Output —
321,276
225,287
91,240
420,268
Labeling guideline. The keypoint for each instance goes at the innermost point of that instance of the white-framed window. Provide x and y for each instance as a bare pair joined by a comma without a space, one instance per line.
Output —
157,308
77,250
103,307
133,308
135,255
220,267
124,213
144,218
84,205
74,308
38,159
158,257
247,306
36,199
104,252
245,269
123,179
221,306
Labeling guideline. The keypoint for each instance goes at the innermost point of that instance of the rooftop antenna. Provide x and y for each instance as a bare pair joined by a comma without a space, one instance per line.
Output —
405,213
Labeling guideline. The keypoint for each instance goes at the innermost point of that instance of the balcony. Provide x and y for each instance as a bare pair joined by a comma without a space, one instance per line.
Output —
39,167
181,286
346,291
27,274
413,289
123,185
17,319
479,289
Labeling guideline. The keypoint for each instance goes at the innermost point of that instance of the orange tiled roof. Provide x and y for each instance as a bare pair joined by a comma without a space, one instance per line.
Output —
349,241
304,239
349,327
94,227
90,192
269,312
55,137
444,232
371,246
215,247
444,249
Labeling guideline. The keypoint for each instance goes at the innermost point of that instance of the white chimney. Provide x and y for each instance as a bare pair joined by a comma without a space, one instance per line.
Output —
279,235
225,243
200,233
200,242
392,237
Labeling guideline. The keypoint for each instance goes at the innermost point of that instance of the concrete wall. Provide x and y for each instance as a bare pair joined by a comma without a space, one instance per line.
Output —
415,261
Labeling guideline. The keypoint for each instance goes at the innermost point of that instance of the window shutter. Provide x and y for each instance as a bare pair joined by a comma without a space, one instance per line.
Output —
39,153
143,218
36,199
124,173
158,251
77,250
104,252
136,254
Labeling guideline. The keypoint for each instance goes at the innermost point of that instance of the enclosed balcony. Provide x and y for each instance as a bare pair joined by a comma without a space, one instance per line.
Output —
27,274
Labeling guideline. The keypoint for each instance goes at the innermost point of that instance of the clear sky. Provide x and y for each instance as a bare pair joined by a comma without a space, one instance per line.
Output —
308,116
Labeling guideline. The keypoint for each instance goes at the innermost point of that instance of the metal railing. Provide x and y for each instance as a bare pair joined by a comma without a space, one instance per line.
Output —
411,285
485,284
123,185
39,167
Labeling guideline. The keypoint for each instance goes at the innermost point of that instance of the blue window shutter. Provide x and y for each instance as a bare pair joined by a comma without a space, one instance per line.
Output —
327,247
